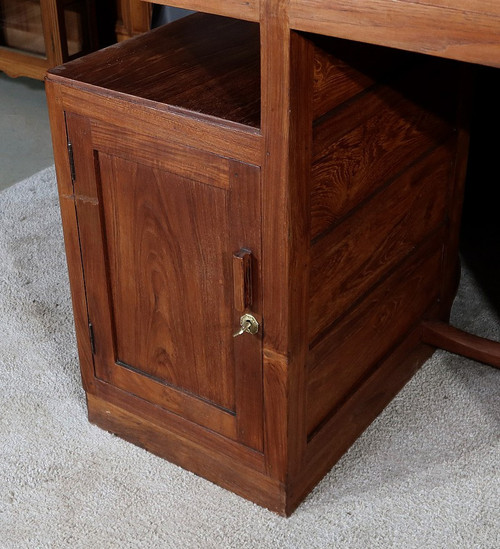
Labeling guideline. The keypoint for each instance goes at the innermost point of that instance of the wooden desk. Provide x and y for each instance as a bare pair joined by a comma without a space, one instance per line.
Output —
466,30
313,183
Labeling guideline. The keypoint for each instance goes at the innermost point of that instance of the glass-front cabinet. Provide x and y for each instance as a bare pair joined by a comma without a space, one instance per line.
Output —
38,34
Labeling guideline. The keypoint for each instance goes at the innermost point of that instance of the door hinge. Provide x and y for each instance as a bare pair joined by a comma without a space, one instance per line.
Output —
91,337
71,161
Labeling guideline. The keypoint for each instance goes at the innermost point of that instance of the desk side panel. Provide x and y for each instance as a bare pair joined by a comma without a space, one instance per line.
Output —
384,179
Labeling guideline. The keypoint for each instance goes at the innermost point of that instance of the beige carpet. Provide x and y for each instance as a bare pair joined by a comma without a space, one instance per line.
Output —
426,474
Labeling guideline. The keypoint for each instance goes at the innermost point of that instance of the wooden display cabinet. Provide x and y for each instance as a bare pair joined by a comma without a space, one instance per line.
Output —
38,34
204,177
133,18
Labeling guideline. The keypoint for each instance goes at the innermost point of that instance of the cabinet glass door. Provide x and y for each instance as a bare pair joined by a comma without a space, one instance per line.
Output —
21,26
52,29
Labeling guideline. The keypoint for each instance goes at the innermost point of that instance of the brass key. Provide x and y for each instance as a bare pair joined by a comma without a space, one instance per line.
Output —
248,325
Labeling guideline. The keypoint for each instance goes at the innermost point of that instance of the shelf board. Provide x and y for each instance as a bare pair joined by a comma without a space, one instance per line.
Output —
202,63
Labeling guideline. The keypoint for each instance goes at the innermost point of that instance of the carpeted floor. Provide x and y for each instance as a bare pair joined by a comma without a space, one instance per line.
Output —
426,474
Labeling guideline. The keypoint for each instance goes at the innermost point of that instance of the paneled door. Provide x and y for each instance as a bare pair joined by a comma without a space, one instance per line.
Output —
171,251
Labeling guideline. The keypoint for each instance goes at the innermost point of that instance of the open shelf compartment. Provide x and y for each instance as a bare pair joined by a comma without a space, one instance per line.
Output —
202,63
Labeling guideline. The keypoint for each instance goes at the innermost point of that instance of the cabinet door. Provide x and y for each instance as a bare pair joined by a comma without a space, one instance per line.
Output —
159,224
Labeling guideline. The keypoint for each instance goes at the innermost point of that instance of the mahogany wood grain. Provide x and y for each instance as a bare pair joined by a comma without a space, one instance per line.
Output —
163,319
180,426
71,235
275,104
299,237
157,154
245,219
449,338
467,31
91,239
275,117
141,301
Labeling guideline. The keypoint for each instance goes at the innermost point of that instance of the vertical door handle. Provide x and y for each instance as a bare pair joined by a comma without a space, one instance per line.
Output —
242,279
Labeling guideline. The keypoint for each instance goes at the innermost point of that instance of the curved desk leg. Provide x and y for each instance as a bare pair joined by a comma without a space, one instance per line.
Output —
444,336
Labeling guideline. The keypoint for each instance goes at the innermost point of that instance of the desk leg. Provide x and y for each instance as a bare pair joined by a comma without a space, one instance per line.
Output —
444,336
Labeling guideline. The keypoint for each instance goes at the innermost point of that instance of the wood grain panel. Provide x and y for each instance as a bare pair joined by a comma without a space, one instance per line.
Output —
372,140
343,69
491,7
167,289
354,346
360,409
276,222
91,239
347,261
464,31
245,220
187,405
165,155
163,122
287,132
207,438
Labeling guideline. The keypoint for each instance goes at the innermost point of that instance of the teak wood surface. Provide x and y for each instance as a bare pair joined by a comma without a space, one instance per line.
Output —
466,30
313,182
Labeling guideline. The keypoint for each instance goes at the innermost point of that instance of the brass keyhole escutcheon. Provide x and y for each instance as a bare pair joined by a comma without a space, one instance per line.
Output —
248,325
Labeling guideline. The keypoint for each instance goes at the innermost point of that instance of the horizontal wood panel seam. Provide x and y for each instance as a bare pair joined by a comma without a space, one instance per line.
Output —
377,191
206,168
352,362
365,379
325,331
390,78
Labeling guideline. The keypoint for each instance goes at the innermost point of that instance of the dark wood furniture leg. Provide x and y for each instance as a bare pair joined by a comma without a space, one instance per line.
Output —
449,338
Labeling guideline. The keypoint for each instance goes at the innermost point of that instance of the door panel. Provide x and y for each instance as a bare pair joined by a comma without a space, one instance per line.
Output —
168,267
159,277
